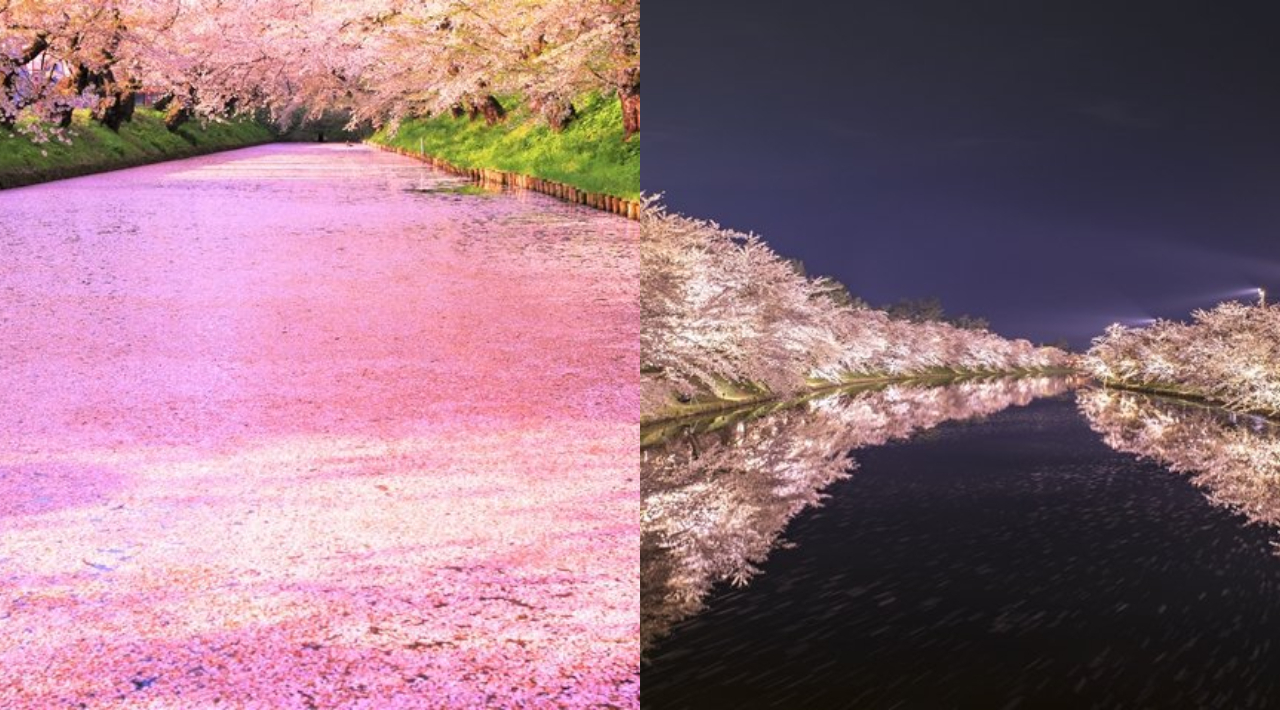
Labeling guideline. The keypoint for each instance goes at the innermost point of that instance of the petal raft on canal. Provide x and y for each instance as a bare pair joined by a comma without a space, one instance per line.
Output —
310,426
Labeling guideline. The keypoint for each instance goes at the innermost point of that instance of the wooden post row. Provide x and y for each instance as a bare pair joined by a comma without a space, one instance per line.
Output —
485,176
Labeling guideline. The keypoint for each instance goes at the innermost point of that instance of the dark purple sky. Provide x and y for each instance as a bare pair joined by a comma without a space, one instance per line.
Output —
1052,167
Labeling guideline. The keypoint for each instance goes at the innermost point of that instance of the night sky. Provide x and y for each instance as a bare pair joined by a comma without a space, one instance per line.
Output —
1051,167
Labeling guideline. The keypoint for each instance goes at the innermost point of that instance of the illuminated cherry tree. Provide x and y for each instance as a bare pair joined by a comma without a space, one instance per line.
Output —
721,311
1230,354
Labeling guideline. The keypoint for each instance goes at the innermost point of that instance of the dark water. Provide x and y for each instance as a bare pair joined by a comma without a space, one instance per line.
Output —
1090,549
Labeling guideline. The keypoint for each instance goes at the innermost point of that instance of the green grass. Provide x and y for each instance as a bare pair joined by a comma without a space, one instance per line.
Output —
710,413
94,148
727,396
589,154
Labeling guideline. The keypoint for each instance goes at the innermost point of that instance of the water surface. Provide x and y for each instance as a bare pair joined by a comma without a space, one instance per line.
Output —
1088,549
303,426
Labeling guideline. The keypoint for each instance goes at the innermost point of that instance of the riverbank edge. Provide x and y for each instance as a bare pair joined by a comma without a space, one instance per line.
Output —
8,182
718,406
1172,392
630,209
14,179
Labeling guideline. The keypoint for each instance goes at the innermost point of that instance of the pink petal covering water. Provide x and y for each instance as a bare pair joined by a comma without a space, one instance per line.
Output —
299,426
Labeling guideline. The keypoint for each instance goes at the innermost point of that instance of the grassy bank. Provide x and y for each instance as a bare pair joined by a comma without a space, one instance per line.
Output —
1189,396
712,415
589,154
94,148
732,397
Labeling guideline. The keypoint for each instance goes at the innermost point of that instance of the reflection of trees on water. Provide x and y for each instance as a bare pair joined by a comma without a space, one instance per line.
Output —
1233,458
715,503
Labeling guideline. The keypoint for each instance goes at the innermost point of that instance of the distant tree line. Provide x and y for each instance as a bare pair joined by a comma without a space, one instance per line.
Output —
720,307
930,310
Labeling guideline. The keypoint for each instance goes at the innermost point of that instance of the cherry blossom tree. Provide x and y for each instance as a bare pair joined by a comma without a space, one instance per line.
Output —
720,311
381,60
1230,354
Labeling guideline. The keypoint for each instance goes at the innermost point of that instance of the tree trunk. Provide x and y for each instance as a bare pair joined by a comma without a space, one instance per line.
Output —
128,102
629,98
178,114
9,117
492,110
559,114
66,93
116,99
114,107
64,116
178,108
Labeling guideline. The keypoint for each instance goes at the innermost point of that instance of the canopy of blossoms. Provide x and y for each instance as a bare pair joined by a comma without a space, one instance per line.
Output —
718,306
378,59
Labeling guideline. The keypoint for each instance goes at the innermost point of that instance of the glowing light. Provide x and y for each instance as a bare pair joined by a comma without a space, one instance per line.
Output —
713,509
1224,353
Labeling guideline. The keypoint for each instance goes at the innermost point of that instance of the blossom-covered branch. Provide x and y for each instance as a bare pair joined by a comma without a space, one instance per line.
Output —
380,61
1229,354
720,308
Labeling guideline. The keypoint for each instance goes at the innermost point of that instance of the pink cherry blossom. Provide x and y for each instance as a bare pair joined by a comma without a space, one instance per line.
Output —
379,60
1227,354
299,426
